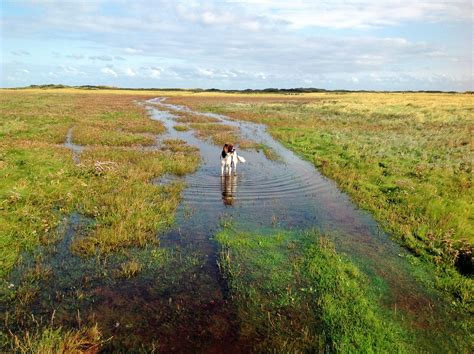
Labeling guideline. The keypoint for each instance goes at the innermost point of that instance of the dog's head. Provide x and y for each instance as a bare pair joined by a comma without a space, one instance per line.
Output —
228,148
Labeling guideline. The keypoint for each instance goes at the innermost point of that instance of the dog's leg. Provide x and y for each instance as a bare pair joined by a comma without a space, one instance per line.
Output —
235,164
222,167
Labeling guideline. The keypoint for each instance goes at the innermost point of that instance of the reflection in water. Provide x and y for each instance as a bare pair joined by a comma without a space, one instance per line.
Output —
228,189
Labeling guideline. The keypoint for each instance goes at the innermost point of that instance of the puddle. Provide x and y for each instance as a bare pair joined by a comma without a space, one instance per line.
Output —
63,276
76,149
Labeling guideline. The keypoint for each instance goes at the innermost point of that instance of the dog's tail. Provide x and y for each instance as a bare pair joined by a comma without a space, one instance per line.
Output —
241,159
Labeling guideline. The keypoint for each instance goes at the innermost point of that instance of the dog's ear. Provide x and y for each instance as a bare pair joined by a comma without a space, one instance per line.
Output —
226,148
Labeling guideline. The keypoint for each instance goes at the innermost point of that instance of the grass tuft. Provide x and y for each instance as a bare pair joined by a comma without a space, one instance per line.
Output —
129,269
58,340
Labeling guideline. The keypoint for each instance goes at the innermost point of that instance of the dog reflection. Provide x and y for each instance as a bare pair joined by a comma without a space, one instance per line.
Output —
228,189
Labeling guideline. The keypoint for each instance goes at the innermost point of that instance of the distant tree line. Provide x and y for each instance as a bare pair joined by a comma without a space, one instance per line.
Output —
288,91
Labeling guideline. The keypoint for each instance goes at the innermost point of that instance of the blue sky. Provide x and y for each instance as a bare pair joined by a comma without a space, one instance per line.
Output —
338,44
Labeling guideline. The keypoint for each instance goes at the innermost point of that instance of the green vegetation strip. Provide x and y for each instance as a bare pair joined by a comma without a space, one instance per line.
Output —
294,293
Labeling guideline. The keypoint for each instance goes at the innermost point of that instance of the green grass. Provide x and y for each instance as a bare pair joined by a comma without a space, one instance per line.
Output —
294,293
218,133
58,340
129,269
269,152
38,186
181,128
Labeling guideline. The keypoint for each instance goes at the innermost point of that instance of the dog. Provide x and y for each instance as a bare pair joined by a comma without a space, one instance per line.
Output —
229,159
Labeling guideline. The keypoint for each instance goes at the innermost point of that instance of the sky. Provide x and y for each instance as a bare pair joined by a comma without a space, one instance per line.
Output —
239,44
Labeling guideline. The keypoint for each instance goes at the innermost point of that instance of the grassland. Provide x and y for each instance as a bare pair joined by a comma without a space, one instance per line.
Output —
41,184
109,183
407,158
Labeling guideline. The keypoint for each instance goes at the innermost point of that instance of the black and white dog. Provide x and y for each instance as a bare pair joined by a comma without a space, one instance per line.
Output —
229,159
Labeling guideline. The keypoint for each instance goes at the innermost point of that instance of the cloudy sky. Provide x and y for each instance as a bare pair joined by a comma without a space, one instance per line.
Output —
347,44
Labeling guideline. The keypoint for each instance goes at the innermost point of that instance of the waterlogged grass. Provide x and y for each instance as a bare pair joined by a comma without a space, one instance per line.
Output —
37,186
41,183
405,157
89,135
187,117
181,128
127,208
294,293
219,134
129,269
58,340
269,152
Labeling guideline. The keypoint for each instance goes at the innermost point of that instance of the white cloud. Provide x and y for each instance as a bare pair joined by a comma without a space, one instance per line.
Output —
101,57
362,13
71,70
130,72
132,50
242,43
75,56
155,73
229,16
20,52
109,71
205,72
228,74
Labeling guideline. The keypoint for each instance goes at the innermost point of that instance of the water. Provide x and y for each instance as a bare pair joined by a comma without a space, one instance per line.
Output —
75,149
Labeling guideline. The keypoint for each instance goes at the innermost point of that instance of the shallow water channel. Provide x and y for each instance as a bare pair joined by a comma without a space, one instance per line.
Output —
182,304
